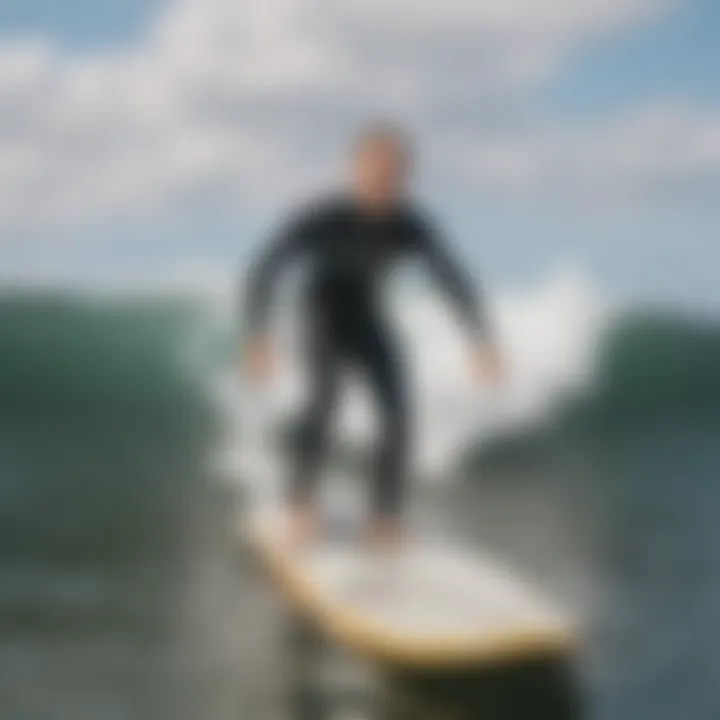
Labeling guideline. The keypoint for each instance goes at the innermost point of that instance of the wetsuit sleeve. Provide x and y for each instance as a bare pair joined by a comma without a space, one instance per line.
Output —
452,278
286,246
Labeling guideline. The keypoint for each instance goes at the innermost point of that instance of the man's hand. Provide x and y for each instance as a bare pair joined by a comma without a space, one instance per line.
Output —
487,364
259,359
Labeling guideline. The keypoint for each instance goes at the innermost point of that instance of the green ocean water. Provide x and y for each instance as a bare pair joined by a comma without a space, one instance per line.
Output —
122,594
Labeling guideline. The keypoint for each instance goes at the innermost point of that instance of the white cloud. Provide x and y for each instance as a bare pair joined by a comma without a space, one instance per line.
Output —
643,151
249,99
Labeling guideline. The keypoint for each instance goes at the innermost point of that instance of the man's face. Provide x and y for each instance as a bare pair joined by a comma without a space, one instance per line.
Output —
381,173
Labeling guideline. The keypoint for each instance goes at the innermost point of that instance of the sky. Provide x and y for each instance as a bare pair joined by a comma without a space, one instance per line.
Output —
152,137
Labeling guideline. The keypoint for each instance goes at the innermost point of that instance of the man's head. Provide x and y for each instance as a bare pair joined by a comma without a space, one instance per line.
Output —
382,160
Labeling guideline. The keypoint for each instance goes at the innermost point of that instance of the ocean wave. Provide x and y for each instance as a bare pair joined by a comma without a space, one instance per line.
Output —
655,368
154,361
102,398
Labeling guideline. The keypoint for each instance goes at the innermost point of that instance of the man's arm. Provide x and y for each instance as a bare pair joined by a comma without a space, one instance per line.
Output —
453,279
286,246
485,358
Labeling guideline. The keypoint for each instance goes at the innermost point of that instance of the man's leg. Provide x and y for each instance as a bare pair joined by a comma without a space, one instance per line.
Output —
323,369
385,372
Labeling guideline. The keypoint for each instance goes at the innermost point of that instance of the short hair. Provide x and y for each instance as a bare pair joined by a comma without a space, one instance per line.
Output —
384,132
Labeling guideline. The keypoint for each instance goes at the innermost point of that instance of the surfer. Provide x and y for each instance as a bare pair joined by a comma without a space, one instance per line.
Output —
352,242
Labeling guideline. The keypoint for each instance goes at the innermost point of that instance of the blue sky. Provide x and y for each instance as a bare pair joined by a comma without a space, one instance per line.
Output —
151,135
673,55
78,24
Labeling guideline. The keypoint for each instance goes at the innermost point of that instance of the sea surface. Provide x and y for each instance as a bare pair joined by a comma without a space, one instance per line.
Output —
124,595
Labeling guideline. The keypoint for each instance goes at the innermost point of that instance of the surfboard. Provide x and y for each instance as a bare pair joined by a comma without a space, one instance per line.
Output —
432,603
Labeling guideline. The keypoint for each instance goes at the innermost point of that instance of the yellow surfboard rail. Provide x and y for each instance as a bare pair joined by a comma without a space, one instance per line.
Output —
379,643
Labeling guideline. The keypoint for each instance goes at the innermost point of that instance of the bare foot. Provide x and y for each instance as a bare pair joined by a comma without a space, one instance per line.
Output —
385,534
301,525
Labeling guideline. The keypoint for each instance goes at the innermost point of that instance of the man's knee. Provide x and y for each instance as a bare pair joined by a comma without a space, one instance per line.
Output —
316,425
395,427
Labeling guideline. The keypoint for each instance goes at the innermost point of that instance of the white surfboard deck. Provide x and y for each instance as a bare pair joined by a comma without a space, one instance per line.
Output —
430,603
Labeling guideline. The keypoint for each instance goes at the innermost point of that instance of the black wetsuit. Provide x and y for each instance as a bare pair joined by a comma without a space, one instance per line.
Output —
351,255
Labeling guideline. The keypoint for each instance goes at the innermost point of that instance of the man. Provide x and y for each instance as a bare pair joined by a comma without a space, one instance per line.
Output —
352,243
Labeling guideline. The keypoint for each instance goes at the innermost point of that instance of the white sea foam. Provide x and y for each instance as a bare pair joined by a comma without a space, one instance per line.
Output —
548,332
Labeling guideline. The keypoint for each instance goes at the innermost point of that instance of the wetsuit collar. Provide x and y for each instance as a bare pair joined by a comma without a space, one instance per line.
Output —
365,212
